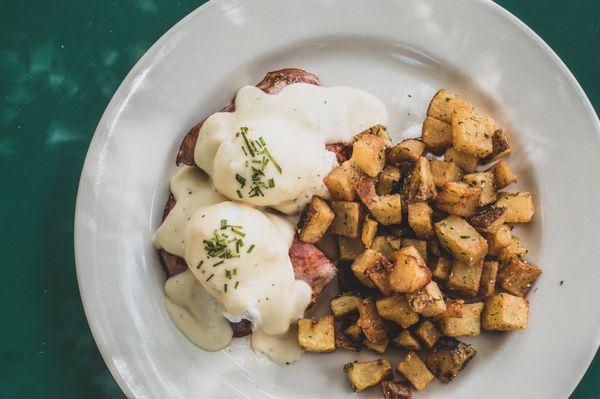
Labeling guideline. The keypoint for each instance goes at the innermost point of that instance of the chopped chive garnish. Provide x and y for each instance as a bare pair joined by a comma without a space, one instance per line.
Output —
236,285
219,263
244,149
248,145
261,140
200,264
225,287
209,277
228,274
271,183
223,224
240,180
238,231
239,193
234,271
273,160
250,249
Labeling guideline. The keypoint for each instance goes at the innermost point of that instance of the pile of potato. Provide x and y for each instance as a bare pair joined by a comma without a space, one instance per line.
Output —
425,248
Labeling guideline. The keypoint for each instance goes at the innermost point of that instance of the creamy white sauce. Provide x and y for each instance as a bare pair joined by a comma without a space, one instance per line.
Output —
295,126
257,284
196,313
279,348
191,189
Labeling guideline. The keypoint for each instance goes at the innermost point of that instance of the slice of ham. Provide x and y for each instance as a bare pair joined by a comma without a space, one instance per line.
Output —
312,266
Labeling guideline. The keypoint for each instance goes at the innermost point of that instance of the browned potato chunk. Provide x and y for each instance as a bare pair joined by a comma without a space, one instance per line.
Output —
407,150
388,210
489,273
344,304
503,175
407,341
419,185
488,219
368,259
388,180
363,185
466,162
377,347
512,250
467,325
410,273
436,135
396,309
342,341
369,229
350,248
377,130
370,321
420,246
500,144
368,154
419,219
455,308
354,332
339,185
394,390
505,312
347,219
485,181
444,172
517,277
427,333
379,274
415,371
519,206
363,375
316,335
429,301
498,240
457,198
461,240
441,269
314,220
464,278
445,104
472,133
387,245
448,357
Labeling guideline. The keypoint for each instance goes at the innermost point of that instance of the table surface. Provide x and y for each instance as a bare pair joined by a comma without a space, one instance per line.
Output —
60,63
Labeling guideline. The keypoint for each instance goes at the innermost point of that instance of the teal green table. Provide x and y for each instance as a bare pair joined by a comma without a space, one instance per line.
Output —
60,63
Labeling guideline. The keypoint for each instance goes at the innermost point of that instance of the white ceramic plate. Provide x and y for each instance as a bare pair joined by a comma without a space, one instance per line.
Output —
402,51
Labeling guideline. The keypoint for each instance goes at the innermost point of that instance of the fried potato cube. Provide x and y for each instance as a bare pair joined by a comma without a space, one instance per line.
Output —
499,239
488,219
344,304
410,273
370,321
441,269
363,375
369,229
394,390
517,277
388,210
415,371
354,332
314,220
347,219
377,130
485,181
406,340
363,185
419,185
368,259
339,185
427,333
316,335
429,301
377,347
519,206
420,246
457,198
444,172
513,250
368,154
467,325
472,133
436,135
460,239
454,308
466,162
397,309
387,245
379,274
407,150
464,278
350,248
445,104
419,219
503,175
448,357
489,274
342,341
388,180
500,146
505,312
